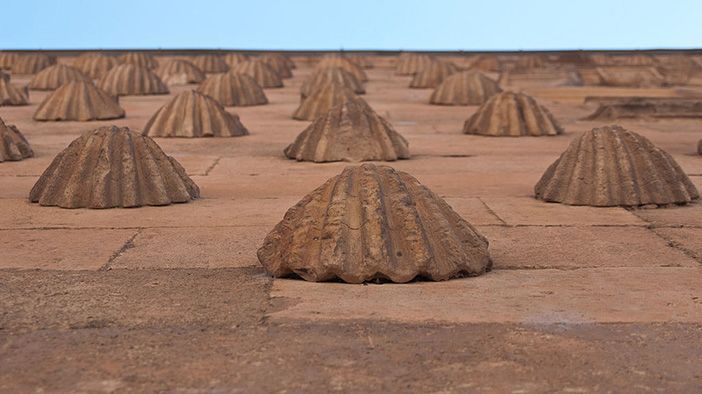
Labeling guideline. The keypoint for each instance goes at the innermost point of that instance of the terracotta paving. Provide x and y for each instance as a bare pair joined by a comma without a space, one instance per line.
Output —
172,298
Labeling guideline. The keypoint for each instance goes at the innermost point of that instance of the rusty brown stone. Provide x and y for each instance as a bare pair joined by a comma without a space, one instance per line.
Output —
351,131
611,166
113,167
191,114
178,67
465,88
81,101
233,89
264,74
54,76
13,145
510,114
374,223
328,75
320,101
131,80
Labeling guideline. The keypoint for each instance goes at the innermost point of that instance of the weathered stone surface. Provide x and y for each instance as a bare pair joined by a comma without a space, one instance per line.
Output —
611,166
625,76
278,63
13,145
344,63
192,73
645,107
374,223
79,100
131,80
113,167
324,76
32,63
7,60
432,75
264,74
509,114
233,89
465,88
140,59
95,65
351,131
12,95
411,63
192,114
234,58
210,63
322,100
54,76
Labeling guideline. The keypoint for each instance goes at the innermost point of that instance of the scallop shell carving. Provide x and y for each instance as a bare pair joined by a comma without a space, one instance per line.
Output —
54,76
279,64
13,145
611,166
233,90
349,132
12,95
465,88
344,63
192,114
324,76
139,59
233,59
32,63
113,167
81,101
411,63
374,223
432,75
131,80
509,114
264,74
211,63
319,102
181,67
95,65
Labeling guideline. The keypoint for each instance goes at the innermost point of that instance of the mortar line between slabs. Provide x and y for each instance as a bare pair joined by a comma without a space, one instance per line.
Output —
493,213
677,246
212,166
126,246
271,225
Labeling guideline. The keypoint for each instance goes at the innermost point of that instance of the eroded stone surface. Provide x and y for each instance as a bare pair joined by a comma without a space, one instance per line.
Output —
611,166
79,100
351,131
512,115
129,80
372,222
191,114
234,89
113,167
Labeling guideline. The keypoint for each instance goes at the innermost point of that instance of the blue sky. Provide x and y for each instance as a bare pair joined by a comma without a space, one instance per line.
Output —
352,24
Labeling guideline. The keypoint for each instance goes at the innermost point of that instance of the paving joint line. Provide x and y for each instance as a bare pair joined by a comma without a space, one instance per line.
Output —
677,246
491,211
212,166
126,246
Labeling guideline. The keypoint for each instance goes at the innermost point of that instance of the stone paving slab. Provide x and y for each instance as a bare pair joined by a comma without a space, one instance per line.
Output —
62,249
581,247
193,247
516,211
621,295
688,216
356,357
20,214
687,239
